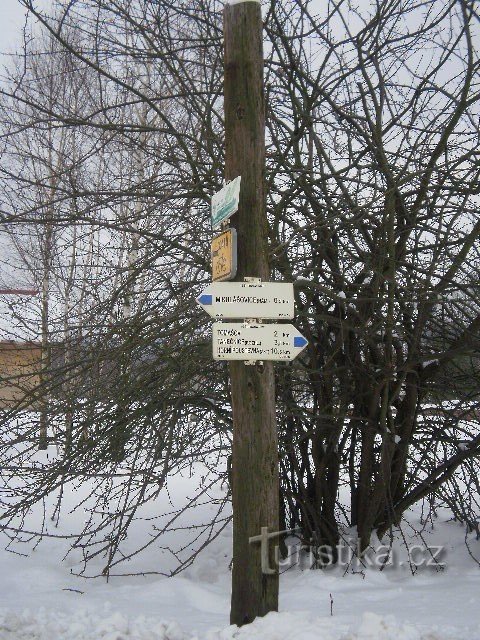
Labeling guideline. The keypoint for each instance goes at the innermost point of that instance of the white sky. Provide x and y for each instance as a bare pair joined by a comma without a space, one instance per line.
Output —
11,22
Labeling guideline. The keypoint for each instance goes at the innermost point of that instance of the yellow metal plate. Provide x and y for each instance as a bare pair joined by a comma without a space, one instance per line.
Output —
224,256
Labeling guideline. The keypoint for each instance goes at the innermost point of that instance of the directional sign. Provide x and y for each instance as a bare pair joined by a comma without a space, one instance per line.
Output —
225,202
240,341
248,300
224,255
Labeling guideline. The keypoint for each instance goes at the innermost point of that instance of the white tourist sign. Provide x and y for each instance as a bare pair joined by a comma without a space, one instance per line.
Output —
244,341
225,202
240,300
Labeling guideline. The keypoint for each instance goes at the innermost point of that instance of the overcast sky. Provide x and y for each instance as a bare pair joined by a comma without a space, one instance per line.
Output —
12,19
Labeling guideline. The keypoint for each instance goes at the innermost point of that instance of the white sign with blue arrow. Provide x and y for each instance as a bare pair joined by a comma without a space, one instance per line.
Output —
253,342
240,300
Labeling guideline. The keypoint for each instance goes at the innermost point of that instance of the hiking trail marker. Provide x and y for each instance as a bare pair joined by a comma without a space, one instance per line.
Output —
251,301
240,300
225,202
254,342
250,340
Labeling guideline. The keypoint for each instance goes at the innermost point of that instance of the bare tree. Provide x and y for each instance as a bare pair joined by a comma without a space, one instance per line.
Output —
372,186
373,182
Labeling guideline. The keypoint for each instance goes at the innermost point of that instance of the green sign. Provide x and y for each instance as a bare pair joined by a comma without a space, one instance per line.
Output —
225,202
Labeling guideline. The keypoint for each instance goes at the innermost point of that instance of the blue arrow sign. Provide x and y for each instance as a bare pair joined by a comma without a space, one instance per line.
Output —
253,342
205,299
270,300
299,342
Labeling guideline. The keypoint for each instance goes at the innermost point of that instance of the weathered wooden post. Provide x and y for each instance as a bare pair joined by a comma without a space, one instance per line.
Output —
255,446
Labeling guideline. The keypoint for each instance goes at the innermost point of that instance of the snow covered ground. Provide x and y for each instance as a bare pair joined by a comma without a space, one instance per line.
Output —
40,599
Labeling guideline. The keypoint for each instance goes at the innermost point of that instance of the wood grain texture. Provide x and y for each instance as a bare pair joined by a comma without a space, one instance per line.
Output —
255,445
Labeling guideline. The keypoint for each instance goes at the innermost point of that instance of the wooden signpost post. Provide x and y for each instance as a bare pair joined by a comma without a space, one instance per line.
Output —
255,482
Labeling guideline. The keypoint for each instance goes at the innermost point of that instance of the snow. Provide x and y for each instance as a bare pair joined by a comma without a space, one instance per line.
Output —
81,625
41,599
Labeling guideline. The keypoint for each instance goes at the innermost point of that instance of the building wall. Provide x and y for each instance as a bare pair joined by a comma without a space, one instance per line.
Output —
20,364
